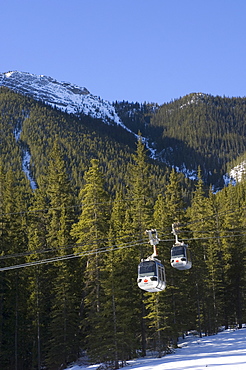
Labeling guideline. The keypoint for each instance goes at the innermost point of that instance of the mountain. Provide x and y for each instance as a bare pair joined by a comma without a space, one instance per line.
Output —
30,126
197,130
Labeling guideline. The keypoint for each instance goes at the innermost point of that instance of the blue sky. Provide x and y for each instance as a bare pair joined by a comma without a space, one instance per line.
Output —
135,50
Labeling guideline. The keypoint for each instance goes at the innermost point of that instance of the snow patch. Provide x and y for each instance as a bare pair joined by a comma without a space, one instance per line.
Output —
25,160
17,133
26,168
191,174
8,74
236,174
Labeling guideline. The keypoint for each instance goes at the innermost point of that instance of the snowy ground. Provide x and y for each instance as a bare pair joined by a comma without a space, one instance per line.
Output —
224,351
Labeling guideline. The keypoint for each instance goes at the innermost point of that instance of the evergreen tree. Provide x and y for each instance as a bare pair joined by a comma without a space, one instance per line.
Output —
214,308
39,296
63,344
13,339
201,217
233,251
91,235
140,212
139,195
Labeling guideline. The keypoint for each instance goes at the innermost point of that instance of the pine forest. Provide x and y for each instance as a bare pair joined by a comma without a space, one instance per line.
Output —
71,244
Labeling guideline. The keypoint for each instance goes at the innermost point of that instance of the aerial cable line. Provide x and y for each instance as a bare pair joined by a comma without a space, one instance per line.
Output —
70,246
102,250
209,237
214,237
69,256
210,231
57,248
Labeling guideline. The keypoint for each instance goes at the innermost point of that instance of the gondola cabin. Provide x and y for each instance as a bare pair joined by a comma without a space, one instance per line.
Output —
151,275
181,257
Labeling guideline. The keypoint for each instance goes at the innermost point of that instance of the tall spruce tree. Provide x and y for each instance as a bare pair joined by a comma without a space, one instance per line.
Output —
233,250
14,342
39,296
214,310
91,233
140,212
120,288
63,330
201,218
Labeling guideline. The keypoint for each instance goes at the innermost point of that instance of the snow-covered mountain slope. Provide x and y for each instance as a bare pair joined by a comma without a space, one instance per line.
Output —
63,95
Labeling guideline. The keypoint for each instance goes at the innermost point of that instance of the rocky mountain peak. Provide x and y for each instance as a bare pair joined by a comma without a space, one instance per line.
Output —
63,95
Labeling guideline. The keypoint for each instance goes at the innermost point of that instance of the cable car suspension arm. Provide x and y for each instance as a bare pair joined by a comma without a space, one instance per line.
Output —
153,240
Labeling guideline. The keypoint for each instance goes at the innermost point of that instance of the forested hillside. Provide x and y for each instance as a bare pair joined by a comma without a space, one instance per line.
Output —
70,247
202,130
195,130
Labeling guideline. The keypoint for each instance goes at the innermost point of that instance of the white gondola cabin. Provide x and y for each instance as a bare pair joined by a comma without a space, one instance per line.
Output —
151,275
181,257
